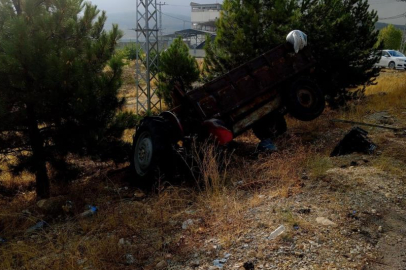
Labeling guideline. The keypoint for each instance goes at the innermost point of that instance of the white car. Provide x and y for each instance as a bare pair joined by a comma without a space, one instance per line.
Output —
392,59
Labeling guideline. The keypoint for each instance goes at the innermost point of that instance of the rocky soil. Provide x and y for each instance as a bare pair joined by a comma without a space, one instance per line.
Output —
353,218
294,209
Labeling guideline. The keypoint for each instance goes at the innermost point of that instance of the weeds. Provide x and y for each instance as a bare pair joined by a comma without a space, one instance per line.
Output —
231,188
318,166
212,164
388,94
391,165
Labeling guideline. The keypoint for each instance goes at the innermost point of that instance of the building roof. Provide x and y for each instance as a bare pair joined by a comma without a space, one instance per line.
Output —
201,45
188,33
217,5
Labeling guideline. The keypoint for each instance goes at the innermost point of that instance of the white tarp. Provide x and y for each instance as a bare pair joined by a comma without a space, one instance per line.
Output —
298,39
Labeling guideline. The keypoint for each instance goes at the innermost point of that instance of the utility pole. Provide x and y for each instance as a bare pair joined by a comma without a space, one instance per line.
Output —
160,24
402,45
146,66
403,15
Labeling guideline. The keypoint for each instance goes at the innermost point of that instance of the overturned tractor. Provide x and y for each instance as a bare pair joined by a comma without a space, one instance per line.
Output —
255,95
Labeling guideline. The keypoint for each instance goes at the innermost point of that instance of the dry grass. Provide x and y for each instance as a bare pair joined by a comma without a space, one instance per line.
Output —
212,163
387,95
129,89
282,170
146,228
10,182
318,165
275,175
219,206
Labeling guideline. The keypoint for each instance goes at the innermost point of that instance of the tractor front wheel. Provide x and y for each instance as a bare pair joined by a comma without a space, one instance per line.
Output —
152,149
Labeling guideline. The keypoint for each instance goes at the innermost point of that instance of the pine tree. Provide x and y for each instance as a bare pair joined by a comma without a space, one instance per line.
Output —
341,34
59,79
247,29
343,37
176,66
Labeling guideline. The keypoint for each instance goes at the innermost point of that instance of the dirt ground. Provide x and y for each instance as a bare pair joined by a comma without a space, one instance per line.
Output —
346,212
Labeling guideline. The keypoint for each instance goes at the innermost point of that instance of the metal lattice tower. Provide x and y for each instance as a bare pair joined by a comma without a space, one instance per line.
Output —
146,65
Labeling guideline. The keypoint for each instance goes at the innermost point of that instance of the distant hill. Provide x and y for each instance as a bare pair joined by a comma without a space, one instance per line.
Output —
380,25
127,21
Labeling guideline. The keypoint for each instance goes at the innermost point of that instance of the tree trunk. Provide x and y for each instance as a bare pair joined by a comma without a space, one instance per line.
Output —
38,154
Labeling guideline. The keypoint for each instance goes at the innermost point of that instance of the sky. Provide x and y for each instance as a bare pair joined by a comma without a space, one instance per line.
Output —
172,6
389,8
385,8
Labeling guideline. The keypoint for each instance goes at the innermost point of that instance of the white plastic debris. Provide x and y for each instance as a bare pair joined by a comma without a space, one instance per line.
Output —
281,229
325,221
298,39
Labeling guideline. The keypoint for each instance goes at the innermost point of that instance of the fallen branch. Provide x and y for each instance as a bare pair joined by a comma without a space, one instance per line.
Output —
367,124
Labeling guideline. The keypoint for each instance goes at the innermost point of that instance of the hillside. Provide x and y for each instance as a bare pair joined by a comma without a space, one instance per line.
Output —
343,212
380,25
127,22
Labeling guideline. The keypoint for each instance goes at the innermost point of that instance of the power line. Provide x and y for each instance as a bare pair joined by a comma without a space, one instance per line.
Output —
175,17
403,42
394,17
383,3
178,5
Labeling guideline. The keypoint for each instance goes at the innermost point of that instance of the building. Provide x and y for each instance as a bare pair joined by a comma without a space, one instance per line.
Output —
204,16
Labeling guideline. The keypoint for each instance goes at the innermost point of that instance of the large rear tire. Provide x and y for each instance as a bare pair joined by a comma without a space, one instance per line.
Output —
152,150
305,100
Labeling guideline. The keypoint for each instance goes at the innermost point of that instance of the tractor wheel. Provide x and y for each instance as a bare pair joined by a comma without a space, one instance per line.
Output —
305,101
152,150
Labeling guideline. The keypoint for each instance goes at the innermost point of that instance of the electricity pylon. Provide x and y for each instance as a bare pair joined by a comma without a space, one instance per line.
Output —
146,65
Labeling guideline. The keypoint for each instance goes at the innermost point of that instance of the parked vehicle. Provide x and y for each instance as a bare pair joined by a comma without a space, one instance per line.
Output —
392,59
255,95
